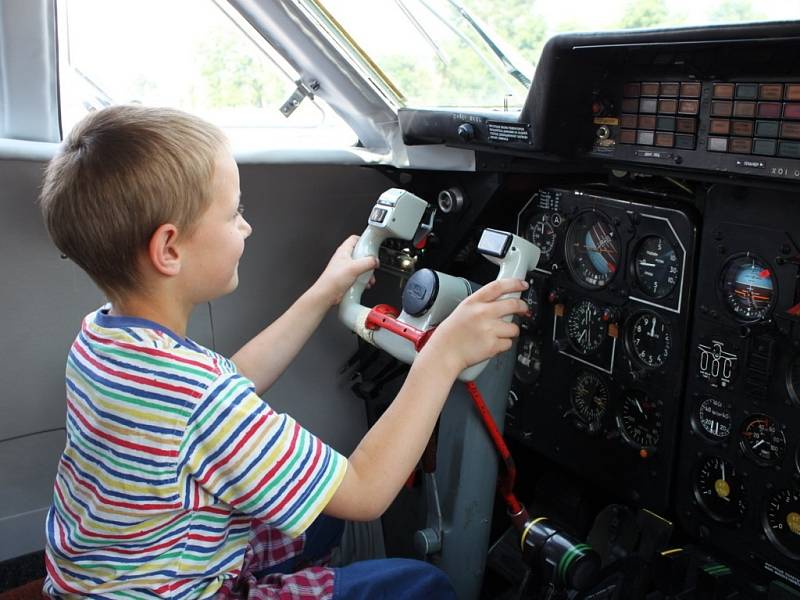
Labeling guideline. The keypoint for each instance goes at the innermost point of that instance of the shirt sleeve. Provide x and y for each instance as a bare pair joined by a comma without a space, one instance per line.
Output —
259,462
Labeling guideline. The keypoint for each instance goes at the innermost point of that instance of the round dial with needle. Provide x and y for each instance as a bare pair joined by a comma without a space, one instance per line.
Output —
649,338
748,287
592,250
639,420
713,418
763,440
656,266
542,233
719,490
586,329
781,521
589,396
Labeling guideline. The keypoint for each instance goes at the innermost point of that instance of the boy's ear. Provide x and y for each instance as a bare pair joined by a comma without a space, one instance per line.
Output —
163,250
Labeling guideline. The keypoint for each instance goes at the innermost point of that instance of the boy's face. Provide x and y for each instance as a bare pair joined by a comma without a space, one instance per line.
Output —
211,254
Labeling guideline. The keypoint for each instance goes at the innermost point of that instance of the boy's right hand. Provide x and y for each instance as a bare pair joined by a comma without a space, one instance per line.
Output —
475,330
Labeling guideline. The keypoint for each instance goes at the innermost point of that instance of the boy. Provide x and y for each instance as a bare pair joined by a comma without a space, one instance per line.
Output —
177,480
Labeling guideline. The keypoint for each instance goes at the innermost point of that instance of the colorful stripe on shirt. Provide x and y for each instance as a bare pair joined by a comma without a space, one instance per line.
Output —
170,454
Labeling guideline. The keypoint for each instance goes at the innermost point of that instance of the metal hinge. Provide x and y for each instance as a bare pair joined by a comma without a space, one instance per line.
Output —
302,92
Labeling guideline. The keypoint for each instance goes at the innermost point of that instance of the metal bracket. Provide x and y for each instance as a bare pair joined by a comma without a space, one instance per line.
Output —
301,93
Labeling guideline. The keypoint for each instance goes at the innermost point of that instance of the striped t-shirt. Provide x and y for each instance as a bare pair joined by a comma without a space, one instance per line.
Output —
170,454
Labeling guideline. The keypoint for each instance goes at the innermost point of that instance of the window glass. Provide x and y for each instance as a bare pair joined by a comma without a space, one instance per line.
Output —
471,53
196,55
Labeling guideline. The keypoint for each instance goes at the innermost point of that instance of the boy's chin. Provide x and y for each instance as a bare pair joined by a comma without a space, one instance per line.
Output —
220,292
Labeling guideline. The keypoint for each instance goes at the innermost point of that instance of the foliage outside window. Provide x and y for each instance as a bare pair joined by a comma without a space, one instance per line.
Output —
196,55
429,51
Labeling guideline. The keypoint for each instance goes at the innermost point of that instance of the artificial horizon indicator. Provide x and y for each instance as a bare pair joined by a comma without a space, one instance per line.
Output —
592,250
748,287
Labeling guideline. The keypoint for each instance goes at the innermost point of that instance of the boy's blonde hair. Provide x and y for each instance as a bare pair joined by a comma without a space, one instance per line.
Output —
121,173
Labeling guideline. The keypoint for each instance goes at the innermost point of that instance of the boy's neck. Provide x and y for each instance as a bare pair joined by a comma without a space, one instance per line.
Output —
169,314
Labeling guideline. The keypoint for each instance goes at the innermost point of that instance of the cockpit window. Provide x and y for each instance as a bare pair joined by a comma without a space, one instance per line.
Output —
196,55
439,52
482,53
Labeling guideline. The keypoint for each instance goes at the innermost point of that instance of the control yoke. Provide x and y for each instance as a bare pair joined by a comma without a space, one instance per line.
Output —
429,296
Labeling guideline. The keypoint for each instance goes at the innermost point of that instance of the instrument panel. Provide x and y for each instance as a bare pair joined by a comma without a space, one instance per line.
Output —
594,381
738,466
661,364
664,367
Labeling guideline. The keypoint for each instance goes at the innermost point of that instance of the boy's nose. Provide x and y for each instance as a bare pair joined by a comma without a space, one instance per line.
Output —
246,228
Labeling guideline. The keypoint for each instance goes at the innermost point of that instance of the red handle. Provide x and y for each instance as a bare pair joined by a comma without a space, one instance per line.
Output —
384,316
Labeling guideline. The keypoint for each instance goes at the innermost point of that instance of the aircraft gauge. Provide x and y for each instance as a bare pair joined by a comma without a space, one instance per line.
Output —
592,250
649,339
719,490
763,440
748,288
639,421
656,266
542,233
586,329
713,419
590,396
781,522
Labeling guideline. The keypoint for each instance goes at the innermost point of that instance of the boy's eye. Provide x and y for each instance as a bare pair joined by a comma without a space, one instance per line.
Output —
240,209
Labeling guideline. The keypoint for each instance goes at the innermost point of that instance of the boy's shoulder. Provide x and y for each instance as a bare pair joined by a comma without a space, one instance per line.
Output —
138,346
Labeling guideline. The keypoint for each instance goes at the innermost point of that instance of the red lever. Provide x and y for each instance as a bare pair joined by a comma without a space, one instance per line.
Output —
384,316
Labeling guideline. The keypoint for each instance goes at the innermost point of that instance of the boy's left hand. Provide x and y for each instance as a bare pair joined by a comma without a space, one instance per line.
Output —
343,270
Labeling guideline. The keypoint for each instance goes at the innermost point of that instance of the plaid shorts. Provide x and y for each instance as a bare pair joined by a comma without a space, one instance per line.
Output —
277,567
280,568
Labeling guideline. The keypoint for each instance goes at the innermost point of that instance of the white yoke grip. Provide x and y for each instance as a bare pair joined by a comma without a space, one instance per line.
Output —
396,214
516,257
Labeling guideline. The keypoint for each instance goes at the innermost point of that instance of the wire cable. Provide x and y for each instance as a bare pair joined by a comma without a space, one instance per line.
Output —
506,484
211,321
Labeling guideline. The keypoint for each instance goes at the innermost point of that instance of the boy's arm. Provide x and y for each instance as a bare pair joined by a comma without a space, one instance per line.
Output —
264,358
386,456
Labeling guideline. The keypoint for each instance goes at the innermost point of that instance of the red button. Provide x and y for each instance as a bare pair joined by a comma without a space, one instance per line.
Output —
791,110
769,110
